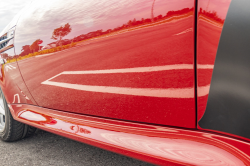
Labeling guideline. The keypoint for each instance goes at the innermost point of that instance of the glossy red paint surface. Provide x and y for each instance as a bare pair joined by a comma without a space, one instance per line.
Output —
132,60
159,145
11,81
211,17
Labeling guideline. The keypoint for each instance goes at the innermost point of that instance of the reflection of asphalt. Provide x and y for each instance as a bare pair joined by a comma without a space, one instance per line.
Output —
111,53
48,149
146,47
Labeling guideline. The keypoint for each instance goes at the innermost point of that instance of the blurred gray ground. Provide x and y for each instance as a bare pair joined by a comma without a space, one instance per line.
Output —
49,149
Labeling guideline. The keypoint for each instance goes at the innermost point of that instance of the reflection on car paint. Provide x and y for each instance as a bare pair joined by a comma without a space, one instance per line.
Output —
35,50
211,17
11,79
186,31
163,143
129,35
151,92
16,98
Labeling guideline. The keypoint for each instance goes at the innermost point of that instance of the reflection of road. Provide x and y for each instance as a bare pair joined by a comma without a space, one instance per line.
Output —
150,92
208,40
154,46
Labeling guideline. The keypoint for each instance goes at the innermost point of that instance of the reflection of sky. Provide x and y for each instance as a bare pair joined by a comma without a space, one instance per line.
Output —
86,16
8,10
220,6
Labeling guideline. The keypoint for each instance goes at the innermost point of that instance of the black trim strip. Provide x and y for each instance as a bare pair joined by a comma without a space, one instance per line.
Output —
195,60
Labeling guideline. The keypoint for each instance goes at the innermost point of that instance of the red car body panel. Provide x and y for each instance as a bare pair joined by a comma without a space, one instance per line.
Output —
136,63
123,87
12,83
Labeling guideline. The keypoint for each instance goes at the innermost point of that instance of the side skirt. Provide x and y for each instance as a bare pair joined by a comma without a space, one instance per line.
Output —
151,143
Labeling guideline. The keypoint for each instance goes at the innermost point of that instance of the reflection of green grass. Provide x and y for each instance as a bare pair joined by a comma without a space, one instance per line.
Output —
47,51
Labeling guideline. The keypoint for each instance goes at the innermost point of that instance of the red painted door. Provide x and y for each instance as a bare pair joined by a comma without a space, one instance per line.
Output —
126,59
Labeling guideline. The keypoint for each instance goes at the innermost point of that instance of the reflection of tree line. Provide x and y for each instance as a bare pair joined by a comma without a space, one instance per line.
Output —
34,49
134,23
211,15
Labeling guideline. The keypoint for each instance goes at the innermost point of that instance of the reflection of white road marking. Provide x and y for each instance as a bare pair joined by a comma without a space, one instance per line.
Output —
141,69
203,90
18,98
134,70
199,66
26,97
149,92
171,93
12,67
9,67
187,30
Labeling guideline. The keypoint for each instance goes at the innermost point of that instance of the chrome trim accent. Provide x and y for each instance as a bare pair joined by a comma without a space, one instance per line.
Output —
6,40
